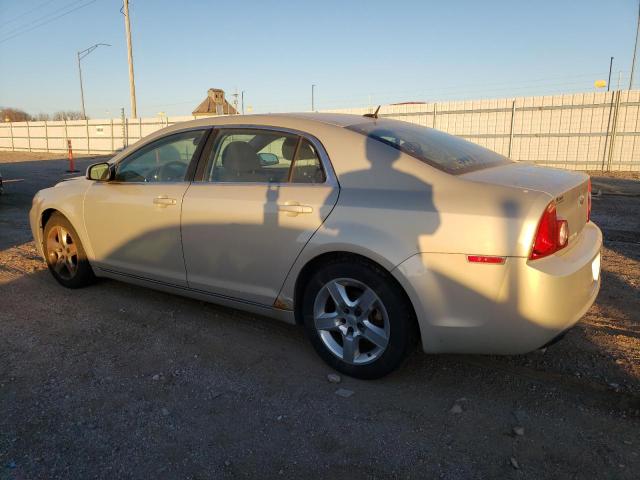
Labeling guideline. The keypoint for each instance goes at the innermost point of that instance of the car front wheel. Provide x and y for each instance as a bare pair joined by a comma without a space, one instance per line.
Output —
358,318
65,255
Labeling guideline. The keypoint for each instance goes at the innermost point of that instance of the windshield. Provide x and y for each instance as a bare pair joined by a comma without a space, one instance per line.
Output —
441,150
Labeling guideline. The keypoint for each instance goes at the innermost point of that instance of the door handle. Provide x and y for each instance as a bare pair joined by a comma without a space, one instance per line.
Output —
294,208
164,201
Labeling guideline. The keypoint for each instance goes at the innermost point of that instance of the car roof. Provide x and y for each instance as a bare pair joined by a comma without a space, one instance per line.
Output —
338,119
313,123
279,119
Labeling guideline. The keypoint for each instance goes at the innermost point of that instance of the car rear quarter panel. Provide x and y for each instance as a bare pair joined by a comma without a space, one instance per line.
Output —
501,309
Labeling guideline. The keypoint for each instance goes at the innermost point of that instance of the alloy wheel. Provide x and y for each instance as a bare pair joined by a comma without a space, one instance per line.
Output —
62,252
351,321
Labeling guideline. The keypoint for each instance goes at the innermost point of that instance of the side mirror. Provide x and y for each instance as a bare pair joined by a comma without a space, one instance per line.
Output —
268,159
99,172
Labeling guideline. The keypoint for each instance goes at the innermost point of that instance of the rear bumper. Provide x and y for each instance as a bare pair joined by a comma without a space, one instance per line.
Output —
501,309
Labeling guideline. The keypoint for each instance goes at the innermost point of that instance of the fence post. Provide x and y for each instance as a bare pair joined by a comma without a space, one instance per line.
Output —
606,139
66,131
513,117
28,136
614,129
435,113
122,124
13,148
46,135
86,120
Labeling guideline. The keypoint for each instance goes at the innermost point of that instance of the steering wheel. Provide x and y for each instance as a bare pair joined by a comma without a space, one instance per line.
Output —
171,171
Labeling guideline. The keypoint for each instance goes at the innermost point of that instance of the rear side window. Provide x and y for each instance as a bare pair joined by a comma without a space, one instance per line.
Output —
250,156
263,156
441,150
307,167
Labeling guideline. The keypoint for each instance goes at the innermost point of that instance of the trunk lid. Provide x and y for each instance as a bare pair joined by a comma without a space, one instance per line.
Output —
569,189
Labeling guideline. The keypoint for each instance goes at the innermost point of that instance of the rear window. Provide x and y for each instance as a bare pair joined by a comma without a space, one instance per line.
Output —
441,150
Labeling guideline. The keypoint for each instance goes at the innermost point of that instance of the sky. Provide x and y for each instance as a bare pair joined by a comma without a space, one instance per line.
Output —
357,53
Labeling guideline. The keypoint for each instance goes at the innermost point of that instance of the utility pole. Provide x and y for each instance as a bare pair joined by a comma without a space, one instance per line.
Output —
80,55
132,83
635,49
610,66
313,103
242,100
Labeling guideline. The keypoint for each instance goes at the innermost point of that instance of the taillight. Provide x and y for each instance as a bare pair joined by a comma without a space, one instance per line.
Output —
589,200
563,233
552,234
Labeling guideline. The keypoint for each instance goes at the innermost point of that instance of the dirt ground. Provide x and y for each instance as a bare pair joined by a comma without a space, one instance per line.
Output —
117,381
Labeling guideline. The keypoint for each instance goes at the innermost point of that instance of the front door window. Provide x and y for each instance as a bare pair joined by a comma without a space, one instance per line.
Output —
165,160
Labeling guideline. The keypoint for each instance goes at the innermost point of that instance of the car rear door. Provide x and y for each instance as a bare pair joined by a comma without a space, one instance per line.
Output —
261,195
133,221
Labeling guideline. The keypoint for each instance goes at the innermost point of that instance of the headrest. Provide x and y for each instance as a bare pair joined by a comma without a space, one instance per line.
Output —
240,157
289,147
305,151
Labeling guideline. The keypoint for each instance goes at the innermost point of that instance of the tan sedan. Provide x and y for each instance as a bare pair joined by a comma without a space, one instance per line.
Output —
372,233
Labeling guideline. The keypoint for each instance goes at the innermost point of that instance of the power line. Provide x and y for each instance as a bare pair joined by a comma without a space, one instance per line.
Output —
49,20
39,19
26,13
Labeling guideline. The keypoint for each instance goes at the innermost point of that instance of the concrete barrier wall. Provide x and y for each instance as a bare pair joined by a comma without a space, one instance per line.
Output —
90,136
582,131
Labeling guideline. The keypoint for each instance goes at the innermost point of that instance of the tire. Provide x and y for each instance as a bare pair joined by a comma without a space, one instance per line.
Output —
65,256
377,322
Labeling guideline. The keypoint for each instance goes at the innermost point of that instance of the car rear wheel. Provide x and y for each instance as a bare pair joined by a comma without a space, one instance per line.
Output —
358,318
65,255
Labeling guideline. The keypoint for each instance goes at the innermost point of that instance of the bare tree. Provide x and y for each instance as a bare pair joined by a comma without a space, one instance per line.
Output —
14,115
42,117
68,115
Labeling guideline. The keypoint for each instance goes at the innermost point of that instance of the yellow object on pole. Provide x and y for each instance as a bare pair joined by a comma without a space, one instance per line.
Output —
600,83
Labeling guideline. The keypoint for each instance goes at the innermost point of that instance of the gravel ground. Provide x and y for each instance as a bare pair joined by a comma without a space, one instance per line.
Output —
117,381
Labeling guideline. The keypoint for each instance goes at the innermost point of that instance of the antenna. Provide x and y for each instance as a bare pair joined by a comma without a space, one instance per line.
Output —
374,114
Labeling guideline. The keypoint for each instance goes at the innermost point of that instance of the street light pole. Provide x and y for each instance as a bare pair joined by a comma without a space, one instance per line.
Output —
610,67
81,54
132,83
84,115
313,88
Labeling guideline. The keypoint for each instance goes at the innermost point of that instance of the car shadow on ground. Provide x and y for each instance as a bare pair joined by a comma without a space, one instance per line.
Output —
138,380
562,363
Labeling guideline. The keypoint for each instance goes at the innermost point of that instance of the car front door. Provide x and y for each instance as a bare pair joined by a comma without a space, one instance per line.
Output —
260,197
133,221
